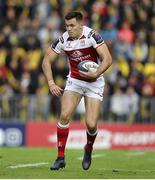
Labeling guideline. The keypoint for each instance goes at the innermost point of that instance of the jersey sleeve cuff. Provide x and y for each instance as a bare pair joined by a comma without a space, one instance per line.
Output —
99,44
55,51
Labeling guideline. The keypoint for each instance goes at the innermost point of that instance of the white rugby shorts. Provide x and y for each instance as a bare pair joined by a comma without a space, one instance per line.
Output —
90,89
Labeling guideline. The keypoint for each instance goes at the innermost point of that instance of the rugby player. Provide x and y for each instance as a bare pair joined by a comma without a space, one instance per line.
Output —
79,43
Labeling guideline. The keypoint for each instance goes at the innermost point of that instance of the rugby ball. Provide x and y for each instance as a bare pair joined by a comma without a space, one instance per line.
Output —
87,65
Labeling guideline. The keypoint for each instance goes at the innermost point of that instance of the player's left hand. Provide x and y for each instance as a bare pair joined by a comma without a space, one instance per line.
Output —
89,74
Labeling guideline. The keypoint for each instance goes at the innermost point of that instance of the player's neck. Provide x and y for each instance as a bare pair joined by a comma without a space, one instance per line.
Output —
79,34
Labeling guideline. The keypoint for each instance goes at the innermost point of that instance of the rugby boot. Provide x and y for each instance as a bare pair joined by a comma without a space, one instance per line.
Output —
86,160
58,164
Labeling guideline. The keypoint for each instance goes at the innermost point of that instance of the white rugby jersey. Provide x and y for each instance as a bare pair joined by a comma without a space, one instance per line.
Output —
79,50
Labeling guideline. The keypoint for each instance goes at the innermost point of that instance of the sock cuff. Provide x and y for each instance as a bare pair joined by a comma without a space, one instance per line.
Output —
95,133
62,126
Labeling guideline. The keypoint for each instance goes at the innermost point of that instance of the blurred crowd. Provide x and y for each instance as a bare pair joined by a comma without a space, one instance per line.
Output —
28,27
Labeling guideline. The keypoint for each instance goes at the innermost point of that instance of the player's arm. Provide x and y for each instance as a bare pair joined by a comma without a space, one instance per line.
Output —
49,57
106,62
105,57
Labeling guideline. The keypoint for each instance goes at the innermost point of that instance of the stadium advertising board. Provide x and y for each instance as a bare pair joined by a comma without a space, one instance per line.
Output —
110,136
12,135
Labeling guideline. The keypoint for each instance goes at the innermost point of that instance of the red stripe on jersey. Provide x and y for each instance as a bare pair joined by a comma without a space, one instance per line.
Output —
78,55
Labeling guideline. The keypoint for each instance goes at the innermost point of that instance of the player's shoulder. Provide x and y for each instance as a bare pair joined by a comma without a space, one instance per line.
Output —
58,40
87,31
92,34
61,39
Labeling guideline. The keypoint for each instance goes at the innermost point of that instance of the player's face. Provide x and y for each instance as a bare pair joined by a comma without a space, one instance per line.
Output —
74,28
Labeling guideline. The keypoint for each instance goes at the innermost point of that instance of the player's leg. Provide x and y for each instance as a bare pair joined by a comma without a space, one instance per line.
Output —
92,114
91,118
69,102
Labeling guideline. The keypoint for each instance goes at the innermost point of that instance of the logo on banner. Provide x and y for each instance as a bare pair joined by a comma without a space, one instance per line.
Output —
11,137
77,139
107,139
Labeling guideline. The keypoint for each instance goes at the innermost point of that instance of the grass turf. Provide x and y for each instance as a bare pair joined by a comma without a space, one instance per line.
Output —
106,164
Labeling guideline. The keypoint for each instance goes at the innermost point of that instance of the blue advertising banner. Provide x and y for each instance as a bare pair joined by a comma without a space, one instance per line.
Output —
12,135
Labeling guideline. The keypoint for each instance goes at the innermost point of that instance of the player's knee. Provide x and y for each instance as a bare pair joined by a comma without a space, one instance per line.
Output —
65,117
92,127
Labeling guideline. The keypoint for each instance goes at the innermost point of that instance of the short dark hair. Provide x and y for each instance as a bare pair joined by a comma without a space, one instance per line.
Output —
74,14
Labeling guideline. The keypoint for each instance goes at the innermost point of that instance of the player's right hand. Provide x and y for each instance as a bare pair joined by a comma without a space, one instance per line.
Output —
56,90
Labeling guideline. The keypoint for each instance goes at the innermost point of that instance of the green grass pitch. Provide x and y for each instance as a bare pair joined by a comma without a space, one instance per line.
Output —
34,163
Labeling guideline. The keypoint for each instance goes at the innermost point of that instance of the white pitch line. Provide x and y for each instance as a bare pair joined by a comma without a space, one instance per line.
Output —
27,165
93,156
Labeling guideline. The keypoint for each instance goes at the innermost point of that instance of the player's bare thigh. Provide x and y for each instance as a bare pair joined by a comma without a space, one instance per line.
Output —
92,112
70,100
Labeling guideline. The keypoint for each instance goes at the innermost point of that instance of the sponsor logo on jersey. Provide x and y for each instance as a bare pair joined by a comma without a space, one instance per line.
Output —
82,58
76,54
